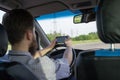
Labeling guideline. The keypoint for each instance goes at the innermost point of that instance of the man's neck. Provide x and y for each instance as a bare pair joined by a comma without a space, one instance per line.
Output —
20,47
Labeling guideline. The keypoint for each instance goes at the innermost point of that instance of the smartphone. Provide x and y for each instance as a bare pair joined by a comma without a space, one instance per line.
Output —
61,39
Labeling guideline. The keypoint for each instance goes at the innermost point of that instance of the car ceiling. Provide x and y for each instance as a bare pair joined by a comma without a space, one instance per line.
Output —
40,7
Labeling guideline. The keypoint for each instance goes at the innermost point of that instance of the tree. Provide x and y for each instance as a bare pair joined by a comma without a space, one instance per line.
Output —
90,36
52,36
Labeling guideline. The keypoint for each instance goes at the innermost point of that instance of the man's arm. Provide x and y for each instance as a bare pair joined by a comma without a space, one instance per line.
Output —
63,64
42,52
68,52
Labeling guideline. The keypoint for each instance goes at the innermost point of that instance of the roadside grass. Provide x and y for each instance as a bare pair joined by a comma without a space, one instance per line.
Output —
85,41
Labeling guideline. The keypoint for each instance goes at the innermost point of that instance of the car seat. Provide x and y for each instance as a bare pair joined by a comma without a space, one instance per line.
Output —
103,64
12,70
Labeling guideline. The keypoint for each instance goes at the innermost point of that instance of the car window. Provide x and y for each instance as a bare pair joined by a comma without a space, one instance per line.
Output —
1,16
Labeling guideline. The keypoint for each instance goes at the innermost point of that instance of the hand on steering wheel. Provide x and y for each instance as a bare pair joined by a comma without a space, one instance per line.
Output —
64,41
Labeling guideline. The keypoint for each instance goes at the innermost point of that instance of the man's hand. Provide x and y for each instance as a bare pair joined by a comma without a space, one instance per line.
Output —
52,45
68,42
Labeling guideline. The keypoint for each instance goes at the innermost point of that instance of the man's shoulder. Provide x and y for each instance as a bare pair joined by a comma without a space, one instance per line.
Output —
18,53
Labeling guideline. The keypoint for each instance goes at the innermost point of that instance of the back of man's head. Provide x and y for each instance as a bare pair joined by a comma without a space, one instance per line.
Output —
16,22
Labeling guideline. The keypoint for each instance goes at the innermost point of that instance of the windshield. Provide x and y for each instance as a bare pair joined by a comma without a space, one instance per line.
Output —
61,23
84,35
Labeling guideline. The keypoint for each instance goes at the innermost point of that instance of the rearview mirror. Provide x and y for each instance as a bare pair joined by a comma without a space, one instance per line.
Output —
77,19
84,18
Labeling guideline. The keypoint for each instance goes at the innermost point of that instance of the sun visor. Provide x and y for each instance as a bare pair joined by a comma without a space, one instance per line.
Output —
108,21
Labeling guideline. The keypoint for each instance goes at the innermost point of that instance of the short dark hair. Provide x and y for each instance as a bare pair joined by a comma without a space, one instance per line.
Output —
16,22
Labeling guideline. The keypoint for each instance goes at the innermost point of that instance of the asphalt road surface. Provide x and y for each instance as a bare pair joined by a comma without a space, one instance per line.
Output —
94,45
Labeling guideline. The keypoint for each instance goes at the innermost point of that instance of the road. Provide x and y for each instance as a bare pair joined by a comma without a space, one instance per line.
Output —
94,45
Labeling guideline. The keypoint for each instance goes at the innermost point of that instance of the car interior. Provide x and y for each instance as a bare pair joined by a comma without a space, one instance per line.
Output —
102,64
93,64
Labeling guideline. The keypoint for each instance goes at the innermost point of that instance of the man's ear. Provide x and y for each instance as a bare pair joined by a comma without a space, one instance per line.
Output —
29,34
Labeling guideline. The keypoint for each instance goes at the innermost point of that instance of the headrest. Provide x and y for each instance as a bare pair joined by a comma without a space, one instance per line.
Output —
3,41
108,21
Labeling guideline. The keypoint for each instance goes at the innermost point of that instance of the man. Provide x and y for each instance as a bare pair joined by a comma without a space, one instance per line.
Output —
21,34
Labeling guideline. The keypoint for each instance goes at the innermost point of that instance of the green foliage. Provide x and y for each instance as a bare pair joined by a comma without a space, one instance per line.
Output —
52,36
90,36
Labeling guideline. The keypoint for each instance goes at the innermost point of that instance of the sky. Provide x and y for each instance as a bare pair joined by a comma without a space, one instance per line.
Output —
67,27
1,15
64,25
62,22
